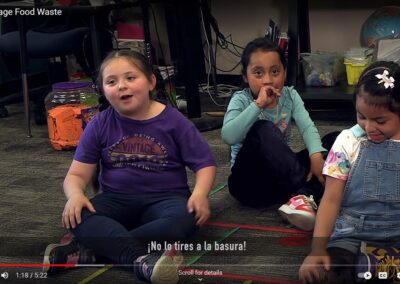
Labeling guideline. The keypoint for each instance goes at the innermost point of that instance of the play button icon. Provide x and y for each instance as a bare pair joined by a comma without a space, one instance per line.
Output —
367,275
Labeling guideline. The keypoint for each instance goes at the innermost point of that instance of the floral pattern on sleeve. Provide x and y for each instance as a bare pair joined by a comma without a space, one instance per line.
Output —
337,165
343,154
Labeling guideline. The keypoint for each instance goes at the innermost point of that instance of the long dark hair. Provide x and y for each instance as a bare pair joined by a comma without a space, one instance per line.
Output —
374,92
263,44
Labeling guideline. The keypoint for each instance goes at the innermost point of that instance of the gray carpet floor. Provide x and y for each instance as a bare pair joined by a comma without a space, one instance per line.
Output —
31,202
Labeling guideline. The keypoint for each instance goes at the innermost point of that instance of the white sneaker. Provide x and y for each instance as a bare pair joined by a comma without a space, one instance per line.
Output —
300,211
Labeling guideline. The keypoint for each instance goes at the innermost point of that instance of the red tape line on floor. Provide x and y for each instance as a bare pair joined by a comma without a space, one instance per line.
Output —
257,227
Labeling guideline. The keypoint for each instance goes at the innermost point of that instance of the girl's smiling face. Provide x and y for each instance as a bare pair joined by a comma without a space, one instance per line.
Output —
127,88
378,122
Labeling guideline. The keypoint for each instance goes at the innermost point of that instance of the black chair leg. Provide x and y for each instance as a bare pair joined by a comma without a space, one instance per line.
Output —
3,112
40,117
39,110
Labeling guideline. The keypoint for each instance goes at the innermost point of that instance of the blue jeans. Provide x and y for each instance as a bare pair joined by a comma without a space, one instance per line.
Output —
123,225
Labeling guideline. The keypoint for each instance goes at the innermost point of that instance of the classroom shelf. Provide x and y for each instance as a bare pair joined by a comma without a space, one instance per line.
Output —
341,92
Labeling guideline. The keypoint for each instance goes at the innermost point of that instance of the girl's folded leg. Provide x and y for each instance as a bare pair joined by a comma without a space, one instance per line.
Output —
266,170
106,231
165,218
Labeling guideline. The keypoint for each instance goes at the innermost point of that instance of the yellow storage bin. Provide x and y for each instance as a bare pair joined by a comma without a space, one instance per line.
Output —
353,71
356,60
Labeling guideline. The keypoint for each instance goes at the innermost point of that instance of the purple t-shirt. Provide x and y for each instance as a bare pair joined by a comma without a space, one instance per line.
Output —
143,156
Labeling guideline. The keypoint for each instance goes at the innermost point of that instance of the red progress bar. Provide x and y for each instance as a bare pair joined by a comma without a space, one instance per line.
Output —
35,265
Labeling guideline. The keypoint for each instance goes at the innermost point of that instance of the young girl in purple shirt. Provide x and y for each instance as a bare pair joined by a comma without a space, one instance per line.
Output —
143,147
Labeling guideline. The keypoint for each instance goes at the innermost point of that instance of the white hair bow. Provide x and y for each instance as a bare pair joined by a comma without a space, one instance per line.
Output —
388,81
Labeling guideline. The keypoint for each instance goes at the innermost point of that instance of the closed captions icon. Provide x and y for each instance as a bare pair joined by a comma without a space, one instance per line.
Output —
382,275
4,275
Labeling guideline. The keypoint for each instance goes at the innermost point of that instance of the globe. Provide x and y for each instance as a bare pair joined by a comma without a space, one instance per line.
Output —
383,23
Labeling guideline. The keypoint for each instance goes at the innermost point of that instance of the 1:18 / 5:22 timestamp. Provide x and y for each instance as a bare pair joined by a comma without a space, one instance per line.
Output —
31,275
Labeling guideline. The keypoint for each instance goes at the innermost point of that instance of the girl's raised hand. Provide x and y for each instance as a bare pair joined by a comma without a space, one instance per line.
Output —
268,97
71,216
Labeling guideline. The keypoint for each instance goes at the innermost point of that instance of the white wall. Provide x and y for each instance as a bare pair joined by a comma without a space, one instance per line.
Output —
336,25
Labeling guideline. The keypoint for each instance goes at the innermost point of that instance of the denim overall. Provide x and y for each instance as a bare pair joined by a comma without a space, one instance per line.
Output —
370,208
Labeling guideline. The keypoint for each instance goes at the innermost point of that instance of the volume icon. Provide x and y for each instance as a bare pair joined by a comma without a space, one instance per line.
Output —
4,275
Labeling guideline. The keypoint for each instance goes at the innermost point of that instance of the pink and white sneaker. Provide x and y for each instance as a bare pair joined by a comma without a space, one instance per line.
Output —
300,211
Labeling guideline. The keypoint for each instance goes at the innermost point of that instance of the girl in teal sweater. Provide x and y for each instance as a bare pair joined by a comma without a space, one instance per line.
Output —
257,125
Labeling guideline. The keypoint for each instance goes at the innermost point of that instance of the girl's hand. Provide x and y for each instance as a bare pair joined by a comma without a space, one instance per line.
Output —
199,204
71,216
317,164
267,97
314,267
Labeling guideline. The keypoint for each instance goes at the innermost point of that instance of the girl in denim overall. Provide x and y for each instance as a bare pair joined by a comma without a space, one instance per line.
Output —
361,201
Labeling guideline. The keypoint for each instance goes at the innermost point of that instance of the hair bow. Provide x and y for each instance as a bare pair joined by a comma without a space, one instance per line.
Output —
384,78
